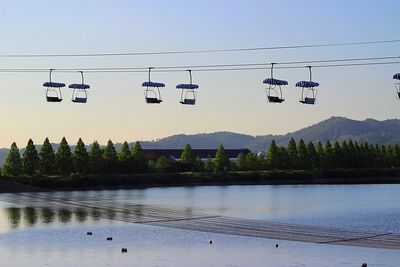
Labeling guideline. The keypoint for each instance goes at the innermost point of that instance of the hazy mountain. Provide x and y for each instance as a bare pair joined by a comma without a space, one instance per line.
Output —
335,128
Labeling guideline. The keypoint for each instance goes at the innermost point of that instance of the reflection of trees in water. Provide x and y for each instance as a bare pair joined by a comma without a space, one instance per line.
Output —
81,214
110,213
47,215
30,215
14,216
96,214
64,215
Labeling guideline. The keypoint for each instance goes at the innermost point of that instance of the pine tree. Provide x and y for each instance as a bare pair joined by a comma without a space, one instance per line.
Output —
272,157
110,159
321,155
12,165
292,151
80,158
198,164
187,155
47,162
163,164
209,164
64,158
283,159
328,155
221,160
95,158
30,160
303,162
241,162
139,159
312,156
337,156
397,155
251,162
125,158
391,157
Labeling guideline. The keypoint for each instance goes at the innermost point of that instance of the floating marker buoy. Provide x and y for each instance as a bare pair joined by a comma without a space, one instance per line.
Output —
89,233
109,238
210,242
276,245
364,264
124,250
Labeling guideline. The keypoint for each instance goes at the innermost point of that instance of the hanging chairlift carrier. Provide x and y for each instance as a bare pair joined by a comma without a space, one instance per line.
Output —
397,84
308,91
53,90
188,94
274,90
79,94
152,92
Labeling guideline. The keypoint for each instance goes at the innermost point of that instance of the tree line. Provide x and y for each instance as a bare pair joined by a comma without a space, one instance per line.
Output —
104,160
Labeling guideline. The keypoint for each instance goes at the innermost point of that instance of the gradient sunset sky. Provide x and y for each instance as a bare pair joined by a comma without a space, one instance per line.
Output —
227,101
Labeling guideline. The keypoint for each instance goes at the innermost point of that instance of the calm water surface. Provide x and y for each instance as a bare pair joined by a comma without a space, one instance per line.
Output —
57,237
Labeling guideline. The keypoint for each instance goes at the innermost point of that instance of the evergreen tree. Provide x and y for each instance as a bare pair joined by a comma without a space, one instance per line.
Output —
110,159
95,158
337,156
209,164
312,156
221,161
321,155
251,162
64,158
187,155
284,160
292,152
125,158
80,157
12,165
163,164
151,166
397,155
302,158
273,157
198,164
349,153
328,155
47,158
241,162
139,159
391,158
30,160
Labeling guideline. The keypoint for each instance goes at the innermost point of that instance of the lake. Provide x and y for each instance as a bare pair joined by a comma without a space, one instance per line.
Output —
34,231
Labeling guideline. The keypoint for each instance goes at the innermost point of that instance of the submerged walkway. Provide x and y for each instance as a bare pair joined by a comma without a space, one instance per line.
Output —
106,208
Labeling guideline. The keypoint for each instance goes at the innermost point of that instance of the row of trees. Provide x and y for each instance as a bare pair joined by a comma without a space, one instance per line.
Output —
295,156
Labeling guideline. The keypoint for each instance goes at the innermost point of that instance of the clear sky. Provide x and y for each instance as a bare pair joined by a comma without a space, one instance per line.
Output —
227,101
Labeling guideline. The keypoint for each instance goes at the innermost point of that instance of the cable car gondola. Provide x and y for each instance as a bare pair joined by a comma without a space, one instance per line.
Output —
188,94
53,90
308,91
79,94
274,90
397,84
152,92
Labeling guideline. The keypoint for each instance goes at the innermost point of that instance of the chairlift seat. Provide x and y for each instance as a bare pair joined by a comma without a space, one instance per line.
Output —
275,99
188,86
398,94
153,100
396,76
80,86
272,81
53,99
79,100
153,84
308,100
307,84
188,101
54,85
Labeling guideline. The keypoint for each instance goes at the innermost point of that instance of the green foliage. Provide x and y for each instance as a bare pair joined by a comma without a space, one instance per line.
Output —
13,164
273,157
163,164
110,160
241,162
337,156
303,162
140,164
125,159
198,164
95,158
312,156
292,152
187,155
221,161
80,158
64,158
321,155
209,164
47,159
328,155
30,160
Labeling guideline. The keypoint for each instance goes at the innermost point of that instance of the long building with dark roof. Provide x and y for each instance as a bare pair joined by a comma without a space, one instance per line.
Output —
154,154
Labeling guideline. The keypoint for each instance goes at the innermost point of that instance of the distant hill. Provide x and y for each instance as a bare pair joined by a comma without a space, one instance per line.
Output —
334,128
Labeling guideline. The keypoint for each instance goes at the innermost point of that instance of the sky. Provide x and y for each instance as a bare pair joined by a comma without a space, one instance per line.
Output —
227,101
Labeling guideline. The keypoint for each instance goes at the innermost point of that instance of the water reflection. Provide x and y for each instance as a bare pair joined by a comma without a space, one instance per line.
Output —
64,215
14,217
30,215
47,215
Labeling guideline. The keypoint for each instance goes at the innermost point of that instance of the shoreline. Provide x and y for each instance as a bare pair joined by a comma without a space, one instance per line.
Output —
83,182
